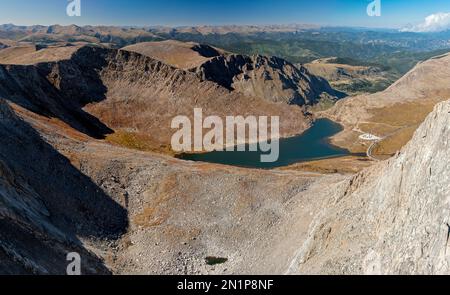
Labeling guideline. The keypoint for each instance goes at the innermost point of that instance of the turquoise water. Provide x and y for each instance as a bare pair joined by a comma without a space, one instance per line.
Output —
311,145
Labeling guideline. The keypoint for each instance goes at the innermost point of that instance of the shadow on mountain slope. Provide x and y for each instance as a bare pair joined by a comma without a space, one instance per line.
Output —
46,203
60,89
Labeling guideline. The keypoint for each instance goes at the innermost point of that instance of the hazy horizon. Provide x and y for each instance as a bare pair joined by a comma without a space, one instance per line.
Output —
307,25
395,14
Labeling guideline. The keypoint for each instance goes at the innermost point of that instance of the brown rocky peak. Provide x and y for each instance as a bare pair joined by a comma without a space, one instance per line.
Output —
271,78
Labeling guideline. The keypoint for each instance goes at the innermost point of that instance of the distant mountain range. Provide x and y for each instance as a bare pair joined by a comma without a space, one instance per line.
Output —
126,34
399,51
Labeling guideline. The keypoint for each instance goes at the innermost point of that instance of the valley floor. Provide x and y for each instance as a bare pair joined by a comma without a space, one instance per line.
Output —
181,212
261,222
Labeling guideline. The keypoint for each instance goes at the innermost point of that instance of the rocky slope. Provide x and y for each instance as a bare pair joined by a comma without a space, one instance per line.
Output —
83,84
46,205
271,78
392,218
55,178
135,82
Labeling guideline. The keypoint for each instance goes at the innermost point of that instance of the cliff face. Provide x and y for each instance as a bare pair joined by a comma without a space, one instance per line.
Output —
271,78
47,205
393,218
56,88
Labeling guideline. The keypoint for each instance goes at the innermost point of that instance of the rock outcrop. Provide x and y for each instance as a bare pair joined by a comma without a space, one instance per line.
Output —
47,205
392,218
271,78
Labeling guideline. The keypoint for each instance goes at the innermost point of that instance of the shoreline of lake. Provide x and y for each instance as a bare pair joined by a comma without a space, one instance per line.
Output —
313,144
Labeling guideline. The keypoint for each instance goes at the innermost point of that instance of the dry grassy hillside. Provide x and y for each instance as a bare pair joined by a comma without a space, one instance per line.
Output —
182,55
395,113
28,55
351,79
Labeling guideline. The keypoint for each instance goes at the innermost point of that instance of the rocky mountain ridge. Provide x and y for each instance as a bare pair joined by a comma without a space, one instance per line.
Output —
85,84
271,78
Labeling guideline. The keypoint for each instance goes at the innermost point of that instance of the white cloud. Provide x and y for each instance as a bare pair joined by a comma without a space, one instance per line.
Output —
433,23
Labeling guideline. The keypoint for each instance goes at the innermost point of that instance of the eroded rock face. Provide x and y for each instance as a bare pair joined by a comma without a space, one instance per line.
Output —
46,205
271,78
392,218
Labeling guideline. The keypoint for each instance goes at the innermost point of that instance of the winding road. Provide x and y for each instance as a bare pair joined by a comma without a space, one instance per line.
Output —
374,143
369,150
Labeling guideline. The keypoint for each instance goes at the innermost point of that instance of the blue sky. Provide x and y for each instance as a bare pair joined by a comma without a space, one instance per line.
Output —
395,13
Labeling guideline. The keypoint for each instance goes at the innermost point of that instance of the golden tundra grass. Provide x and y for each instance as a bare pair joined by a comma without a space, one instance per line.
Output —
397,123
137,141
